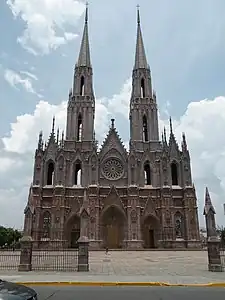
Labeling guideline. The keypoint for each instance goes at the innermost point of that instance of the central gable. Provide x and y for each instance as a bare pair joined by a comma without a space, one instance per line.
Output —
113,141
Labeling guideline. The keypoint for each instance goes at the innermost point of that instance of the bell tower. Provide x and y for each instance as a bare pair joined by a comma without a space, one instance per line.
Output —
81,103
144,132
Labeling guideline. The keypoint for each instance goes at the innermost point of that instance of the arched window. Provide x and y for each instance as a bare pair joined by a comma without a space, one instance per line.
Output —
77,173
145,129
174,173
147,174
179,225
50,173
142,88
82,86
46,224
79,128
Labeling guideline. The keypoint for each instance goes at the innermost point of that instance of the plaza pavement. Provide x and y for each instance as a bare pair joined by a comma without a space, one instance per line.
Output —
175,267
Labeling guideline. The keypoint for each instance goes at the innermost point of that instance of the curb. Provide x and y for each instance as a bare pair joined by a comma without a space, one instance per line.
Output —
104,283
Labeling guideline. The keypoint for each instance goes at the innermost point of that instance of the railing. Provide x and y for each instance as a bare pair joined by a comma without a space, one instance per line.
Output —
9,258
55,256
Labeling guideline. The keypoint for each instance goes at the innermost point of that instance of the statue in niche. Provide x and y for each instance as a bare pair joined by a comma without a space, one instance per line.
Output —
178,226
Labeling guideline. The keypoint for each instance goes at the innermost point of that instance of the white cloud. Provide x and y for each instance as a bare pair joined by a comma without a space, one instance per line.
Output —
15,79
29,74
7,163
45,21
202,122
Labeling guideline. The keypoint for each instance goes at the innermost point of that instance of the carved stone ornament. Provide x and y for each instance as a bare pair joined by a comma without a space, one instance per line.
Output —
113,169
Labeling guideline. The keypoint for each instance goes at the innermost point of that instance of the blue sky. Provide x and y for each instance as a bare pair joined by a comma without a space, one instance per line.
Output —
185,45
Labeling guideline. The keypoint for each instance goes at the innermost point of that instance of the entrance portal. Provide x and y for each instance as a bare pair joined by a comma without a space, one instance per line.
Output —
113,227
73,231
149,232
75,234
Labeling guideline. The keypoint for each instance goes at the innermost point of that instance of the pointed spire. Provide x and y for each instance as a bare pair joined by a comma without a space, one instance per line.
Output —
53,125
140,56
84,59
112,123
40,141
57,139
208,203
171,126
165,138
184,143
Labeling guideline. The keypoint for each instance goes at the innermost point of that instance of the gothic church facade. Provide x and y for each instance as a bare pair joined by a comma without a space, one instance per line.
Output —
141,198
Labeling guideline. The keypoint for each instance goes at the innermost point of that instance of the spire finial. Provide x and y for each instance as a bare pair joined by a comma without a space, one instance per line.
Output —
53,124
57,139
86,13
171,125
165,134
184,143
138,14
112,123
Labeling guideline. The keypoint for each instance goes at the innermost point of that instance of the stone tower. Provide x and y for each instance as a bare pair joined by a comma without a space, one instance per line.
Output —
135,198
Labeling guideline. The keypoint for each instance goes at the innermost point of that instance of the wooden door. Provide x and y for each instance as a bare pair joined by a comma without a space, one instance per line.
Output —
151,238
112,236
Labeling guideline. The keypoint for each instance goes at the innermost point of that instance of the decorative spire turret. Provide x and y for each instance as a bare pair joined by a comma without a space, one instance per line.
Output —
208,203
209,213
53,126
40,141
57,138
184,143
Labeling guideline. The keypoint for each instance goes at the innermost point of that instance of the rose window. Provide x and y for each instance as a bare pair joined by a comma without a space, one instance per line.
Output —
112,169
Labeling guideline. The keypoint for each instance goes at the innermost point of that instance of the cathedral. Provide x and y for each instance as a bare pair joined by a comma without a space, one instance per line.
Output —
138,198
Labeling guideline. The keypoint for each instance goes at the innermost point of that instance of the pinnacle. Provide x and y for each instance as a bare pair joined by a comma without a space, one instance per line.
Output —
84,59
140,56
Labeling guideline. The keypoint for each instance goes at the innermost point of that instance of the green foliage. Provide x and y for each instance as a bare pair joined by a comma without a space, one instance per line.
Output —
9,236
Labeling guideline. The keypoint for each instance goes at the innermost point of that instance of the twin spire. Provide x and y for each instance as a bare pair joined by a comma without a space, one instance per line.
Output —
140,56
84,59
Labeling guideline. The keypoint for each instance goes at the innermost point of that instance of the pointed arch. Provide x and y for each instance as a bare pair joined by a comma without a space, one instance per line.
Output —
79,127
82,81
150,231
50,172
72,230
147,173
77,173
142,88
113,221
145,128
174,173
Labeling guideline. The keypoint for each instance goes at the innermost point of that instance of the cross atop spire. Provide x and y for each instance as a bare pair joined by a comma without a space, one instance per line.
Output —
140,56
138,14
84,59
86,13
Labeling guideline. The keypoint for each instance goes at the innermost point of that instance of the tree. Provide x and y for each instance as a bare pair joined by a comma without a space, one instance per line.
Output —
9,236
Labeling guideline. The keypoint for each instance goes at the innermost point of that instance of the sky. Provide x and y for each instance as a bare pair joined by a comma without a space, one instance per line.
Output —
185,46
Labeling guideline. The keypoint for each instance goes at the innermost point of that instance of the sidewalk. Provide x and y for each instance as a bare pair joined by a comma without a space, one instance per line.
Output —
181,267
34,278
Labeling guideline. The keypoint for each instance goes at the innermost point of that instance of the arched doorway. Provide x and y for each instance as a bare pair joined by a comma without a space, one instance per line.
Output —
150,232
113,223
72,229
